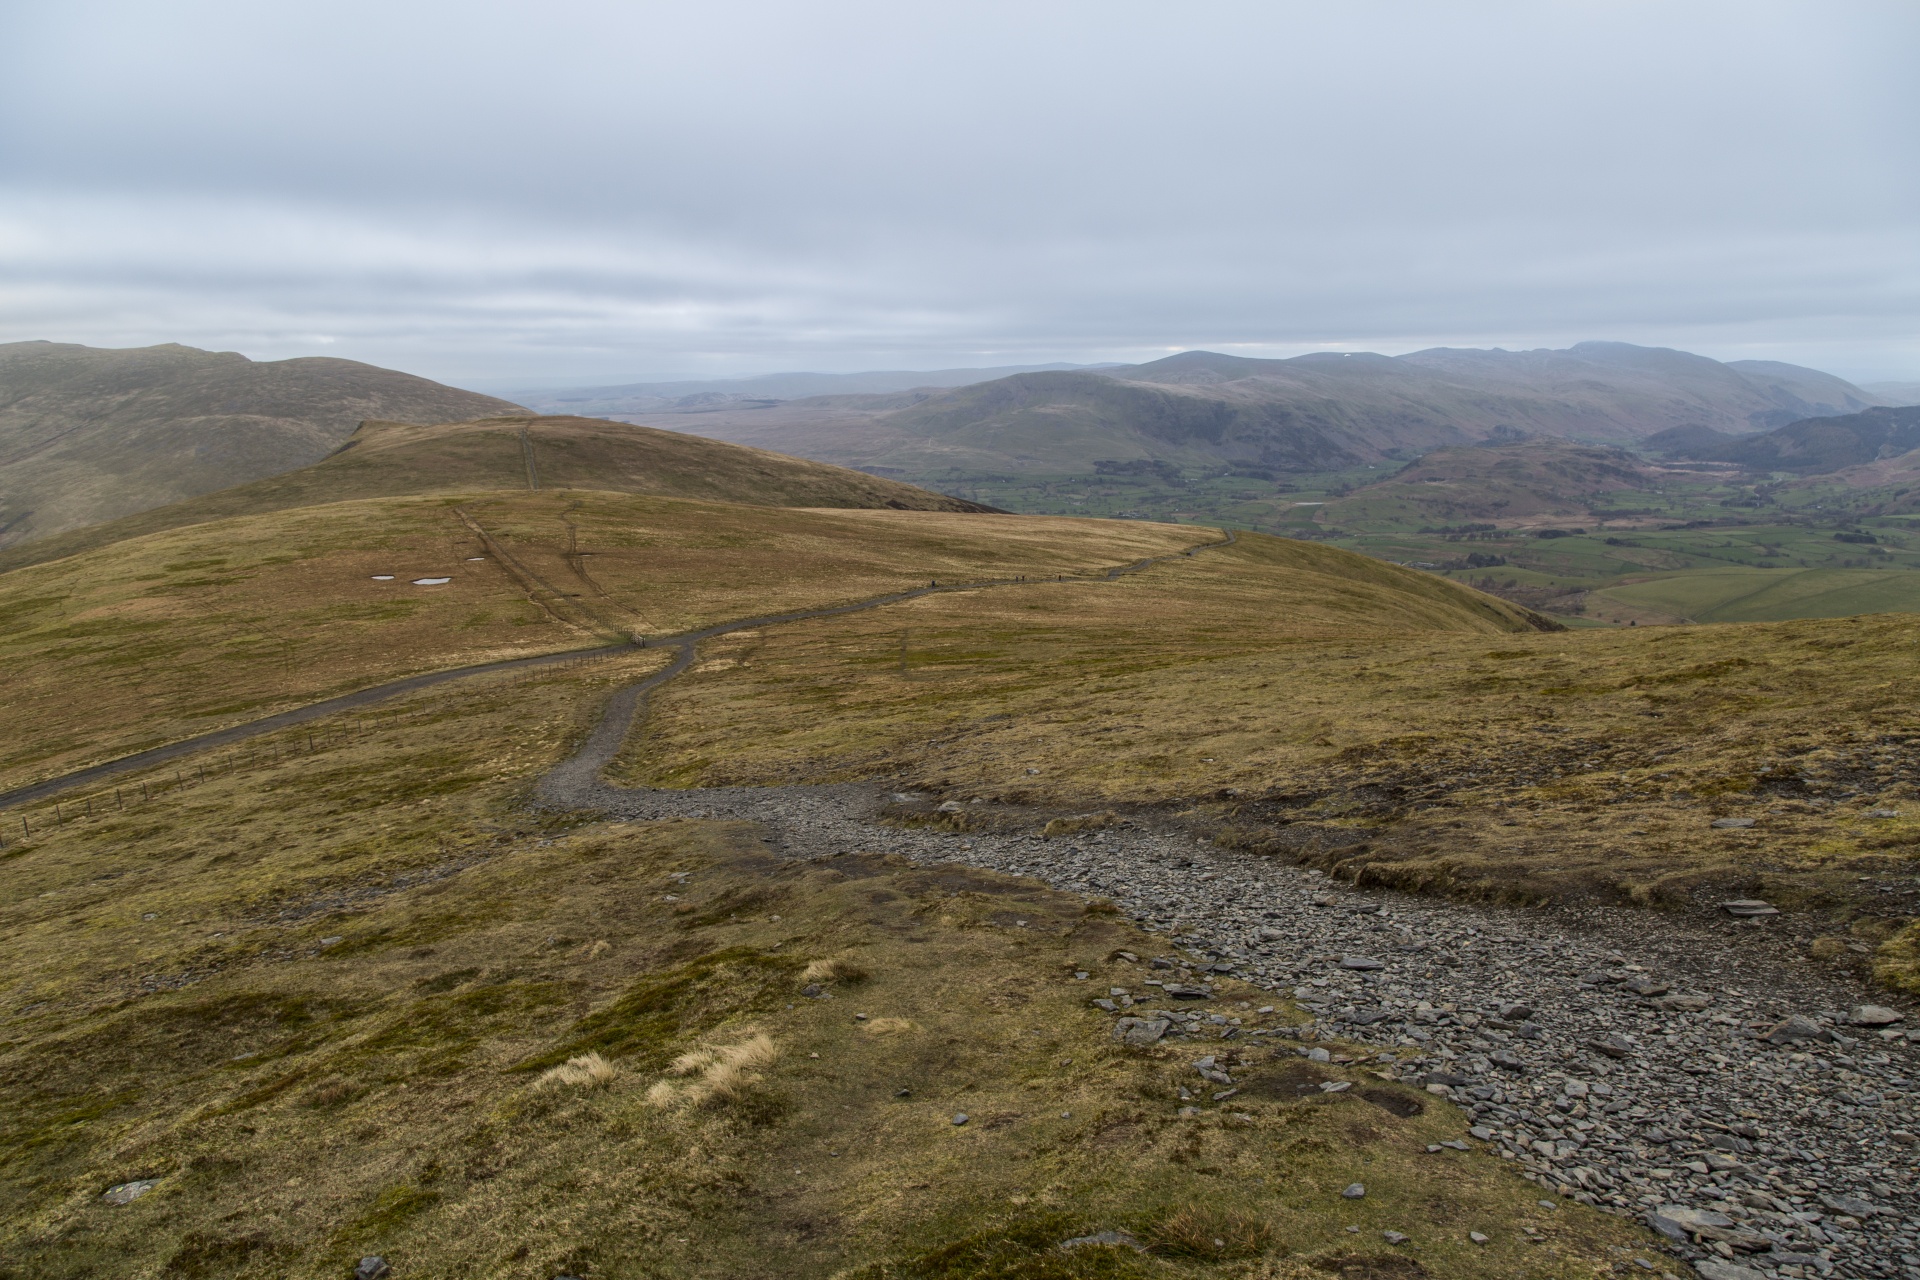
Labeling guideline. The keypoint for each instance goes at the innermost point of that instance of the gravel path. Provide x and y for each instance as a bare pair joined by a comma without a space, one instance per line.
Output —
1619,1058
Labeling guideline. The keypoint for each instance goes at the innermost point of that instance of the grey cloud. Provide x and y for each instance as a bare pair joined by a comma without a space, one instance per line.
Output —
634,190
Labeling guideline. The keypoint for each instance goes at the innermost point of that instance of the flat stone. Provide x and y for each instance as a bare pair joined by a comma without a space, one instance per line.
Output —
1680,1222
1875,1015
1848,1204
1648,987
1141,1031
1179,991
951,806
1395,1237
1516,1012
372,1268
128,1192
1714,1269
1355,1191
1120,1239
1335,1086
1506,1061
1747,907
960,1119
1612,1046
1689,1003
1361,963
1319,1055
1728,824
1794,1029
1477,1237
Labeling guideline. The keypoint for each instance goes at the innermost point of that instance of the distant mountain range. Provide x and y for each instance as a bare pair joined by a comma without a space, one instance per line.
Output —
88,434
757,392
1311,413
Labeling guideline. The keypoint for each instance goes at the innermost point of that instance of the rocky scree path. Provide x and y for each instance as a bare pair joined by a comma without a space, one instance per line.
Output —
1736,1104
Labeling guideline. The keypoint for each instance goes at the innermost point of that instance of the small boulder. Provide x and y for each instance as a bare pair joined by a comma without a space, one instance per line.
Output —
1794,1029
1612,1046
1516,1012
372,1267
1141,1031
1730,824
1355,1191
1691,1002
1681,1222
1747,908
1361,963
1875,1015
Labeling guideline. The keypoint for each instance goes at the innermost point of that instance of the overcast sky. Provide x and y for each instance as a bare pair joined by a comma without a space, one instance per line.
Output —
506,194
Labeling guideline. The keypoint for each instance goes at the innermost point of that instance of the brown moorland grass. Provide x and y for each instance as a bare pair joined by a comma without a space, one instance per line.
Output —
399,459
1527,767
158,638
315,1001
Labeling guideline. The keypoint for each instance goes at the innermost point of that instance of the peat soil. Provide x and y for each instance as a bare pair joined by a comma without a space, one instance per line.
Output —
1629,1059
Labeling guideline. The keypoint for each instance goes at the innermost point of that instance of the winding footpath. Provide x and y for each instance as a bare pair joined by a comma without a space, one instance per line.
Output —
1748,1110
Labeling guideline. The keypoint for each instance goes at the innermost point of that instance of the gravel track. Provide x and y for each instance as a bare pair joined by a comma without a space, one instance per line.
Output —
1668,1103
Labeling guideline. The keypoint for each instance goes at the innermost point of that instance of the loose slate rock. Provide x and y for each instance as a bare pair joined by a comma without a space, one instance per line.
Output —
1688,1003
1794,1029
1728,824
1355,1191
1364,963
1712,1269
372,1268
1680,1222
1612,1046
1749,907
1876,1015
1140,1031
1177,991
128,1192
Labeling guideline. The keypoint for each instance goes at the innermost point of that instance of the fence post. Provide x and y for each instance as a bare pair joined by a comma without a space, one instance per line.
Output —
118,803
58,816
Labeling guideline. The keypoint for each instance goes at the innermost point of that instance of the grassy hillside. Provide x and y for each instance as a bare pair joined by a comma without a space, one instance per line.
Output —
1759,595
394,459
88,435
1577,765
316,1000
150,639
1507,484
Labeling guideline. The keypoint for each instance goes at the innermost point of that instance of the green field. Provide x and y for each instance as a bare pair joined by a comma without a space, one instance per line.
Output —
1707,552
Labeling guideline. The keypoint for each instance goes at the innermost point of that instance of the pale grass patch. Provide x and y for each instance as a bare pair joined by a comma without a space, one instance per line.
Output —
835,969
718,1074
888,1026
589,1071
599,948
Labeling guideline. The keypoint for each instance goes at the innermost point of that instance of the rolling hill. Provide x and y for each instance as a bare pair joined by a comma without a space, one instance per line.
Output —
88,434
1814,446
1312,413
1501,483
394,459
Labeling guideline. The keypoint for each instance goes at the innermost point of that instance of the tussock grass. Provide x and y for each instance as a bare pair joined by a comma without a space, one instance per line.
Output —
888,1026
588,1071
717,1075
834,969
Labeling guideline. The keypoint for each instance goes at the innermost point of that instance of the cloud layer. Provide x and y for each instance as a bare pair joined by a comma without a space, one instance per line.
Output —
490,192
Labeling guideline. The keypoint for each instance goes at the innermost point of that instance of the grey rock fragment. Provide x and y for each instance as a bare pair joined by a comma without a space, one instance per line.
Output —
1726,824
1361,963
1875,1015
1794,1029
1713,1269
372,1267
1355,1191
1748,907
128,1192
1682,1222
1120,1239
1140,1031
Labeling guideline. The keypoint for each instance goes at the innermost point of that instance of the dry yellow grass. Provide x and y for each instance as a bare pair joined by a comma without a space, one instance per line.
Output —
314,1000
193,629
588,1071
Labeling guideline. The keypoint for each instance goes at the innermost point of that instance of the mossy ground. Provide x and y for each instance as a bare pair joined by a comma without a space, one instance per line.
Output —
314,999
